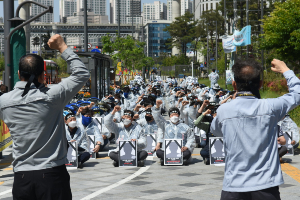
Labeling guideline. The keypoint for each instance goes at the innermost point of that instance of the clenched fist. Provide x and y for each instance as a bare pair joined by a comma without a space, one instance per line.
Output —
158,102
279,66
57,42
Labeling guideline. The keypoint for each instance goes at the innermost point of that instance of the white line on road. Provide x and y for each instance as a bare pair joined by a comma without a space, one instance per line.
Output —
139,172
5,192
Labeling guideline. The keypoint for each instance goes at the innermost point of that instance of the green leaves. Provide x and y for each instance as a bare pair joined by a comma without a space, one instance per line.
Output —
127,50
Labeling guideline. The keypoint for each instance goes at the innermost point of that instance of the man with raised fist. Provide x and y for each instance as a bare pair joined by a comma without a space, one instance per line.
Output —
34,115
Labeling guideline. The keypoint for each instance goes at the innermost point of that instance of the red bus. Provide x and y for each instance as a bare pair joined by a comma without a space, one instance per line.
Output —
51,72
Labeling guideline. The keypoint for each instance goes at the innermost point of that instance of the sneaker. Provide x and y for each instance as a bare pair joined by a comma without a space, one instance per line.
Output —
115,164
80,165
141,163
162,162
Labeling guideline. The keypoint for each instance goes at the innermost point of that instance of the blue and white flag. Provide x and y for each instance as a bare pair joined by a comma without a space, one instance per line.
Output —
243,37
227,42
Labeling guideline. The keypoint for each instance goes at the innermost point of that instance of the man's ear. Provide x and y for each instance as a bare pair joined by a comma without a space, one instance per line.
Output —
19,74
234,85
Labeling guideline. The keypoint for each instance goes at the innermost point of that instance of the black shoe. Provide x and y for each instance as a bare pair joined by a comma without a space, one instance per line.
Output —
206,161
185,162
115,164
80,165
141,163
162,162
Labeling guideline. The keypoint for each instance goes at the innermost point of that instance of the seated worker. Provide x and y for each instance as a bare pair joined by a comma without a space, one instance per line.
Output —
203,122
289,126
89,126
75,133
126,130
148,123
173,129
281,141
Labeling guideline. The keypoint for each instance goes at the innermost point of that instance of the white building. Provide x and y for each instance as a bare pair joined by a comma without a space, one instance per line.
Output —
35,10
125,11
169,10
202,5
67,8
92,18
186,5
154,11
96,6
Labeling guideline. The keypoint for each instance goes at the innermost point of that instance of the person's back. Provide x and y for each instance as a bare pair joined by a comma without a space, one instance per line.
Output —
34,117
249,127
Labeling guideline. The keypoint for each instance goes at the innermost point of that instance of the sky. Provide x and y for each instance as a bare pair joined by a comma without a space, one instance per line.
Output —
56,7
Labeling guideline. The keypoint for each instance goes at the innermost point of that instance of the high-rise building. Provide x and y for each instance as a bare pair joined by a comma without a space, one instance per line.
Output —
35,10
92,18
169,10
96,6
128,8
201,6
67,8
1,20
186,5
154,11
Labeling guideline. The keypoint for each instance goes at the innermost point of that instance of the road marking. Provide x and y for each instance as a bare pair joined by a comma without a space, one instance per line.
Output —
291,171
103,158
6,169
5,163
139,172
5,192
195,154
1,182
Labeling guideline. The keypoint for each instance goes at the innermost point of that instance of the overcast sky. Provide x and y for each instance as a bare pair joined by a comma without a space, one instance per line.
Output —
56,8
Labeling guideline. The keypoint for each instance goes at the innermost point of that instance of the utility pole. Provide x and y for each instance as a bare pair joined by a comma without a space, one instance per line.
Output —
207,48
85,27
119,17
261,30
8,10
217,46
25,14
247,20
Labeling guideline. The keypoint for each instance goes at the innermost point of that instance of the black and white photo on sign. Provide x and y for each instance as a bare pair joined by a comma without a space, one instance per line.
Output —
91,145
217,153
127,153
151,143
99,122
173,153
72,155
289,137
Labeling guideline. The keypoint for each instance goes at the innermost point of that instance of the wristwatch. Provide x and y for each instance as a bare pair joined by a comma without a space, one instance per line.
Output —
98,144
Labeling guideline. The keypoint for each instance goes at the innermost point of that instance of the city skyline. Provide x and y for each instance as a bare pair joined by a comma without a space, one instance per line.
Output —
56,7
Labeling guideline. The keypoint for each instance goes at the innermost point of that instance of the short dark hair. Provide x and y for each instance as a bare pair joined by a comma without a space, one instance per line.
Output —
31,64
147,102
174,109
87,111
213,70
247,74
130,112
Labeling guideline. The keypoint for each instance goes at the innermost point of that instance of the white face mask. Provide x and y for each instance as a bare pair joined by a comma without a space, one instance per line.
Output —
174,119
72,124
126,121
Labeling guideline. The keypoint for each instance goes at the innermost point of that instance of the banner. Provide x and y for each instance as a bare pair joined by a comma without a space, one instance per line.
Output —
289,138
227,42
72,155
151,144
127,153
243,37
5,137
229,77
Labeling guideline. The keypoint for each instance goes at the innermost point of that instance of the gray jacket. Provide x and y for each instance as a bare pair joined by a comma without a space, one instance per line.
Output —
36,121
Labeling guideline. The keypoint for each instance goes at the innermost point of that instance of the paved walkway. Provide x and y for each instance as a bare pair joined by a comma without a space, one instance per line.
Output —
100,180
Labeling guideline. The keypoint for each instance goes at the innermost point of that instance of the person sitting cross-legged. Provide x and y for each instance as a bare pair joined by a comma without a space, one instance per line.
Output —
126,130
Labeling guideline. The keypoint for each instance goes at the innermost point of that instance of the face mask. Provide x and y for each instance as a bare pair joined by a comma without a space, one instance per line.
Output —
72,124
148,118
126,121
86,120
126,94
174,119
142,109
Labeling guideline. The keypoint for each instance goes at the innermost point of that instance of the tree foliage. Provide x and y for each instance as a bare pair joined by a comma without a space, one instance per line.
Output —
61,63
282,31
176,60
127,50
182,31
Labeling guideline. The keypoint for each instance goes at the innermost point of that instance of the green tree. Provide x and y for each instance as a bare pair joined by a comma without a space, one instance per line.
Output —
2,63
282,31
62,64
127,50
182,31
